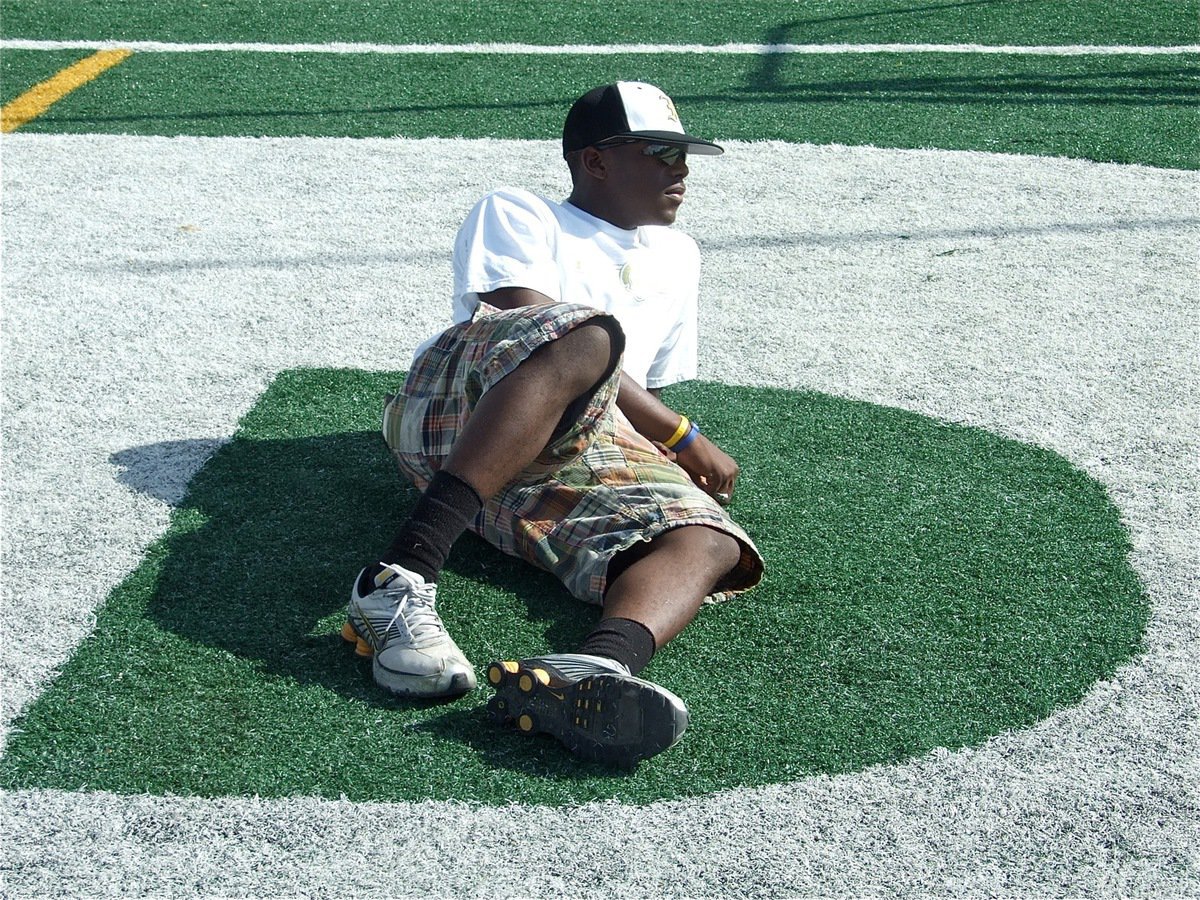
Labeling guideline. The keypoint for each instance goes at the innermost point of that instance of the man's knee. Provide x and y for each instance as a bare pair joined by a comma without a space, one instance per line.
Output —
585,355
721,548
595,344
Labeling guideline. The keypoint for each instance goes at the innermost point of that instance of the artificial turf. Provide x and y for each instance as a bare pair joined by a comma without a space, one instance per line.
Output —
1125,109
928,585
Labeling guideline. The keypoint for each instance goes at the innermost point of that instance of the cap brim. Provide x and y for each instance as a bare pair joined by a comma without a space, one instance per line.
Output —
694,145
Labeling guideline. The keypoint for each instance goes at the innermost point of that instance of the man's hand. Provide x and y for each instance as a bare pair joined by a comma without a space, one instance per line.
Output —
713,470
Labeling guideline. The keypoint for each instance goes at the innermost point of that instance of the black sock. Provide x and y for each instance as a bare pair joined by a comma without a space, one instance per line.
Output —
443,513
626,641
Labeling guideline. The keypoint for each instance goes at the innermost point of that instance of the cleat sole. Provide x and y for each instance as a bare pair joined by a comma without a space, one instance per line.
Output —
608,718
498,709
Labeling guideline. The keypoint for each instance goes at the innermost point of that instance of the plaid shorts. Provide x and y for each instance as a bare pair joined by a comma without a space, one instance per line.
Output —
597,489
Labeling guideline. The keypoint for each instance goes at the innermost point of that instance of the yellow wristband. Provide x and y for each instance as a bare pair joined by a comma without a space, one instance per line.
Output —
684,427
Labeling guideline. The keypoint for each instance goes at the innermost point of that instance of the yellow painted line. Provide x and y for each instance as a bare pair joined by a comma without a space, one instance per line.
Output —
41,97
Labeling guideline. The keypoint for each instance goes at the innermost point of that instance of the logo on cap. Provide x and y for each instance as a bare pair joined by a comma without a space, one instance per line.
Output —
672,114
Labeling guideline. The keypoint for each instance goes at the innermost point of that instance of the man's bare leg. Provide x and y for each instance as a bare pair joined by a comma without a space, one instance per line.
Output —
510,426
515,420
666,587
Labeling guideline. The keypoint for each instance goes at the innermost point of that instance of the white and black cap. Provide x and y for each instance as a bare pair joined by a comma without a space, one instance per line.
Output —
628,109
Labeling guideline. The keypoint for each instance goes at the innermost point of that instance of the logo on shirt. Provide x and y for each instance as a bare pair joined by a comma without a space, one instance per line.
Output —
644,279
627,279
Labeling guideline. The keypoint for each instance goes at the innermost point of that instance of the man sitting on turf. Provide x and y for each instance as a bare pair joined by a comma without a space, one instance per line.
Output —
535,420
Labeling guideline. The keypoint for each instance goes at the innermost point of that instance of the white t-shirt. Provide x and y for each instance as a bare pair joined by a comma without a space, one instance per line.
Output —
648,278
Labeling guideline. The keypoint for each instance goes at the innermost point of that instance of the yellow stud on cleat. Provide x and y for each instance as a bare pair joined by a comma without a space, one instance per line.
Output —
531,678
361,647
497,671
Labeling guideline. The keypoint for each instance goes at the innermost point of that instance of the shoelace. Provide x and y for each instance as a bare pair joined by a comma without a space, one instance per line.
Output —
415,612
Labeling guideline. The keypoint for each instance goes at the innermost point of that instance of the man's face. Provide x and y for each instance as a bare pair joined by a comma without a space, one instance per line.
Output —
643,190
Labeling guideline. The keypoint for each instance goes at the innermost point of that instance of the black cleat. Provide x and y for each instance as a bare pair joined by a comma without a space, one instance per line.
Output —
590,703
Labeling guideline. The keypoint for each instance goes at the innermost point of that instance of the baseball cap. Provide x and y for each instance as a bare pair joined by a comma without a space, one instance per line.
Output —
628,109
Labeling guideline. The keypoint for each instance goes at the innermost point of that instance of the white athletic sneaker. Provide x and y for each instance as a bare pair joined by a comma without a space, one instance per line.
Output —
397,623
590,703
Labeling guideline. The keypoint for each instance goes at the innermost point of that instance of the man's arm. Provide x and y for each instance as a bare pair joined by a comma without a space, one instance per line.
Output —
512,297
711,468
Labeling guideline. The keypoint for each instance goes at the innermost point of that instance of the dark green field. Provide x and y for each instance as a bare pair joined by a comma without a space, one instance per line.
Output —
928,586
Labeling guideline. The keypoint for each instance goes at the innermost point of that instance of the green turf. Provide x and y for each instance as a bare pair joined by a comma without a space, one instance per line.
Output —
1160,22
1123,109
928,585
21,69
1128,109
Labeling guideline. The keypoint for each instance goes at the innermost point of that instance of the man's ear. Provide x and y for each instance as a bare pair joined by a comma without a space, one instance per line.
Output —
591,162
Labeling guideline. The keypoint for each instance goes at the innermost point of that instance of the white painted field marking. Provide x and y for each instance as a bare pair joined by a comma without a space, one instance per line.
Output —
602,49
1050,300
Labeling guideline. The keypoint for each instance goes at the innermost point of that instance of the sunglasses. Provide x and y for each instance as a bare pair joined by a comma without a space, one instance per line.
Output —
666,153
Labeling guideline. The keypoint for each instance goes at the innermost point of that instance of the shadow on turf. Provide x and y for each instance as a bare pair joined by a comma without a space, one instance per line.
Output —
269,538
163,470
1028,86
502,747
